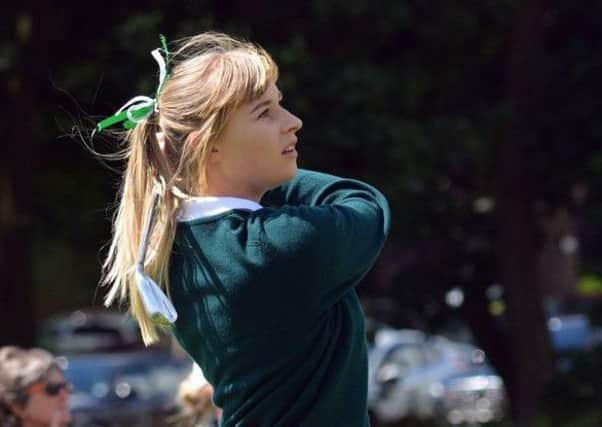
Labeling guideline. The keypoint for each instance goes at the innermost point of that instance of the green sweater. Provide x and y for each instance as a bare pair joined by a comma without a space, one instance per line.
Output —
267,305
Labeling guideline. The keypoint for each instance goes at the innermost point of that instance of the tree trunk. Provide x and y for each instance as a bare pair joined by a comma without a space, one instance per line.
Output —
488,334
16,299
531,356
24,91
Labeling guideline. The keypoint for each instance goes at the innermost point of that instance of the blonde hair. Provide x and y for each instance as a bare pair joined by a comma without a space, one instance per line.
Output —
210,75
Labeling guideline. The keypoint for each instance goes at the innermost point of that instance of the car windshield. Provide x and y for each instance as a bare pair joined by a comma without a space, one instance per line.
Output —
89,377
148,374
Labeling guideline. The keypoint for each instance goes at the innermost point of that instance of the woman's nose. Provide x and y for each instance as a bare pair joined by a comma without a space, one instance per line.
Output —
294,123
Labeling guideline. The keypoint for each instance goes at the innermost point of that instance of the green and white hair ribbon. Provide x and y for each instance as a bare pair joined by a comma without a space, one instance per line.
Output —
140,107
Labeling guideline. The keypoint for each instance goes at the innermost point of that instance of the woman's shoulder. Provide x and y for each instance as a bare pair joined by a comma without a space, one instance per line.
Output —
289,223
287,227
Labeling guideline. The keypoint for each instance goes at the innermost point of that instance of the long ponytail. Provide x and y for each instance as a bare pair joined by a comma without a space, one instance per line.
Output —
145,167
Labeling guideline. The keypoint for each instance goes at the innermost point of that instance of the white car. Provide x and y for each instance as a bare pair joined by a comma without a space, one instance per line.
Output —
411,374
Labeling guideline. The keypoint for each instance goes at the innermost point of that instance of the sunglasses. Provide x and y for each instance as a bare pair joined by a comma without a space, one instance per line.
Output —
51,388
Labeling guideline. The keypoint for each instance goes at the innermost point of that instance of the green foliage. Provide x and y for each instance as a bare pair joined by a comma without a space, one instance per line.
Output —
410,95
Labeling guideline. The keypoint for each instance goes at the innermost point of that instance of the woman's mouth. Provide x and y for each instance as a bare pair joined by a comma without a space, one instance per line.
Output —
290,151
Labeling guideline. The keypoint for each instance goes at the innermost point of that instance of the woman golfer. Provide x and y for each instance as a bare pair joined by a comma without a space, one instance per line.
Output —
259,258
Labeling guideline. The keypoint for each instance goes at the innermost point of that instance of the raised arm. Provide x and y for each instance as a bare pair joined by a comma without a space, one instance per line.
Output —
330,229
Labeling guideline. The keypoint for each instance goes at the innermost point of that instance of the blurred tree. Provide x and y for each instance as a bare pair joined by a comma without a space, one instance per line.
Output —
530,349
23,56
477,119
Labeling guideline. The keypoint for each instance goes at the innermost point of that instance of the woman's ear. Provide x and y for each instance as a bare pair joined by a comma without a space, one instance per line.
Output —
214,154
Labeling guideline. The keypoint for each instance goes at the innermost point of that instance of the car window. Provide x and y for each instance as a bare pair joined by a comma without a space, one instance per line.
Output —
407,357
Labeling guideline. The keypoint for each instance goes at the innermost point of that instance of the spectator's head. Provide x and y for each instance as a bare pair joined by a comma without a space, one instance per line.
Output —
33,389
194,398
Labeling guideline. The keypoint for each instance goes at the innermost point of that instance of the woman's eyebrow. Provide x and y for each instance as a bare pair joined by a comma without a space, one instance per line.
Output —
266,102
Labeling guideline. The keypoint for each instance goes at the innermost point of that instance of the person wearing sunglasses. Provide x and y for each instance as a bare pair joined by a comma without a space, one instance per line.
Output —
33,389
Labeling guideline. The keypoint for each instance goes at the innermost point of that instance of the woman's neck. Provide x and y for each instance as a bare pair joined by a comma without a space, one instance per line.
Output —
242,192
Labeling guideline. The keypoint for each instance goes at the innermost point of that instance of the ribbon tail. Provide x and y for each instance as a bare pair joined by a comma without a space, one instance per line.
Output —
134,111
156,54
110,121
140,107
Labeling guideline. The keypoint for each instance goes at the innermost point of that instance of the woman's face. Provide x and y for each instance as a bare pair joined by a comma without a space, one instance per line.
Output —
44,407
257,150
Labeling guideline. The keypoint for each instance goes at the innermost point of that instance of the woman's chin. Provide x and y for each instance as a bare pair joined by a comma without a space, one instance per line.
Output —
281,178
291,172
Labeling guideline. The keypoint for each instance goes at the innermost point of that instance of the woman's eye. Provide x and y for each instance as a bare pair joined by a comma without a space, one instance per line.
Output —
264,113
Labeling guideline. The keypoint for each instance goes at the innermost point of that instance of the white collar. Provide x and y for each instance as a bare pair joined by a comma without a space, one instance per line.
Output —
201,207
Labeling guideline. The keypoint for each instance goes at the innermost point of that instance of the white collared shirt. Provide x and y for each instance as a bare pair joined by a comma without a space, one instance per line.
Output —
200,207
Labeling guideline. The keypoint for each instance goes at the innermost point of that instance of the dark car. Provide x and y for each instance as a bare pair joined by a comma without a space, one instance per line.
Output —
117,381
125,389
90,330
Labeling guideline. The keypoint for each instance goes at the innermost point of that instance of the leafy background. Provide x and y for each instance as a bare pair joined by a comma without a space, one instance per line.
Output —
478,119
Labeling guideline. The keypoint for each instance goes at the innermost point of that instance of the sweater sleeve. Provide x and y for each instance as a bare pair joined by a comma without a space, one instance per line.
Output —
329,230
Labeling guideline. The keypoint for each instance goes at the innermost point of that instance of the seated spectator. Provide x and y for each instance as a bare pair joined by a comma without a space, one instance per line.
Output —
195,401
33,389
